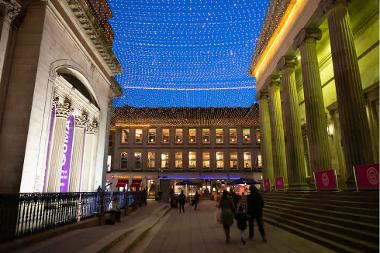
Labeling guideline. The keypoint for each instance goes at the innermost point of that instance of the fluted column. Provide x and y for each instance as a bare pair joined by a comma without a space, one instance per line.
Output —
314,105
277,129
55,166
266,136
351,105
77,156
88,171
293,132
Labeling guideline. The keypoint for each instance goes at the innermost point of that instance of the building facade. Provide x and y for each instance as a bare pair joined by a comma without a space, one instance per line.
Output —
317,71
56,86
173,144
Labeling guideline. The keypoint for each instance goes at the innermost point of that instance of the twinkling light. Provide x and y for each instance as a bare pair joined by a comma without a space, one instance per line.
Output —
186,53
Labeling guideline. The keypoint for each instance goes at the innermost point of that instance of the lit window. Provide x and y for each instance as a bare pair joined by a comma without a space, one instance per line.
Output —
258,136
219,160
233,160
192,160
192,135
165,160
151,135
205,135
124,160
259,161
219,135
246,135
206,160
178,135
247,160
178,160
232,135
165,135
124,135
138,135
137,160
151,160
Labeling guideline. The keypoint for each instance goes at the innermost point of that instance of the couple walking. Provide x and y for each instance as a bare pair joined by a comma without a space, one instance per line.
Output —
182,200
254,205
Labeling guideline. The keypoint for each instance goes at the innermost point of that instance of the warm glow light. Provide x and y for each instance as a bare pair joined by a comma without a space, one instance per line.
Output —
282,30
130,125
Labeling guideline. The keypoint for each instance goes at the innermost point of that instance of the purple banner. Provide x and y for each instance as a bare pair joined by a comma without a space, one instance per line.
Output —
67,150
51,127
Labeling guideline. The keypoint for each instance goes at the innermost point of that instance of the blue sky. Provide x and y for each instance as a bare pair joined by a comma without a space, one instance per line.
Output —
193,53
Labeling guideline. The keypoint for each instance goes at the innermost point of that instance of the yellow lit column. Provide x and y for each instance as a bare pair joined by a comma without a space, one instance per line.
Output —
293,132
277,129
266,136
351,105
315,110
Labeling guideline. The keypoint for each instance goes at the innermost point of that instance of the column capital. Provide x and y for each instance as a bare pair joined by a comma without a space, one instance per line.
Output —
287,62
312,33
63,109
263,94
92,127
81,121
12,9
326,5
274,80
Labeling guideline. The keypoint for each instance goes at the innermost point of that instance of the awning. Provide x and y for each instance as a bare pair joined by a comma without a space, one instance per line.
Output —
121,182
136,183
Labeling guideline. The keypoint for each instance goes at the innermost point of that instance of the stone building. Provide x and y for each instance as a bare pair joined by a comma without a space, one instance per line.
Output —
173,144
56,86
317,70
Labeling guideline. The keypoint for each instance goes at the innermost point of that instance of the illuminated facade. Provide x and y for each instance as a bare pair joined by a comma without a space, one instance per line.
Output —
56,86
317,71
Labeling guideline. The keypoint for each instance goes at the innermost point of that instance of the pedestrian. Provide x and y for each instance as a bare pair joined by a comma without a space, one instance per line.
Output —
255,204
227,213
235,197
243,202
241,219
115,211
196,200
181,201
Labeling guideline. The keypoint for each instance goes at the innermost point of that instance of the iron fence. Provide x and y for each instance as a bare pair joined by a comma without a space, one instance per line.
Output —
28,213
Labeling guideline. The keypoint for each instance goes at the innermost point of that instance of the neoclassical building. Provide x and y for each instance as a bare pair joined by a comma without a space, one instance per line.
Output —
317,70
166,145
56,86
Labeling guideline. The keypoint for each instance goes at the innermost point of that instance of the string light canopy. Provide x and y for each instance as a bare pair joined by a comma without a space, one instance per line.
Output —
186,53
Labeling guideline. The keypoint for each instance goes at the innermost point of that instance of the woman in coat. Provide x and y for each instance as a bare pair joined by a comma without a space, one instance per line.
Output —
227,213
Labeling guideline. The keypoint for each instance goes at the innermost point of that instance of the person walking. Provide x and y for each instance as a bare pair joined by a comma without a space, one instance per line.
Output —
196,200
241,219
227,213
255,204
235,197
181,201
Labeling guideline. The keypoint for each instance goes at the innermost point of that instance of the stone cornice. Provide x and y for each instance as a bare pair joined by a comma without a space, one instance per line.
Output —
12,9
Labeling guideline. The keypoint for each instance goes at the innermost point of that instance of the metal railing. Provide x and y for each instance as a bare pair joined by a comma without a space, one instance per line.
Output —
28,213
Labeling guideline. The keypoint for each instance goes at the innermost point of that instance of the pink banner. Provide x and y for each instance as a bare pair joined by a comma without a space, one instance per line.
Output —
280,183
266,184
367,176
325,180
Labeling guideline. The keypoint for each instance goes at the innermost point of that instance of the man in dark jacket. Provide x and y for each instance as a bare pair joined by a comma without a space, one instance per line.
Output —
255,204
181,201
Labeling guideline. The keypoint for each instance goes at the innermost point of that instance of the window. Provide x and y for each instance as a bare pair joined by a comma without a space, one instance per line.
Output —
219,135
246,135
138,135
259,161
137,160
192,160
124,135
178,160
233,160
151,160
165,160
247,160
205,135
219,160
192,135
258,136
233,135
178,135
124,160
152,135
165,135
206,160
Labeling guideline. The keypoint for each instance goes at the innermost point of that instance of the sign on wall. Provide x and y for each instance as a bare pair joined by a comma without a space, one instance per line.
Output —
325,180
67,151
367,176
266,184
279,184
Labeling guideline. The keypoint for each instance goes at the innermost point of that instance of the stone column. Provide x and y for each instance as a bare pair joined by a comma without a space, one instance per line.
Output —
315,110
77,155
351,105
293,132
266,136
88,171
55,166
277,129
